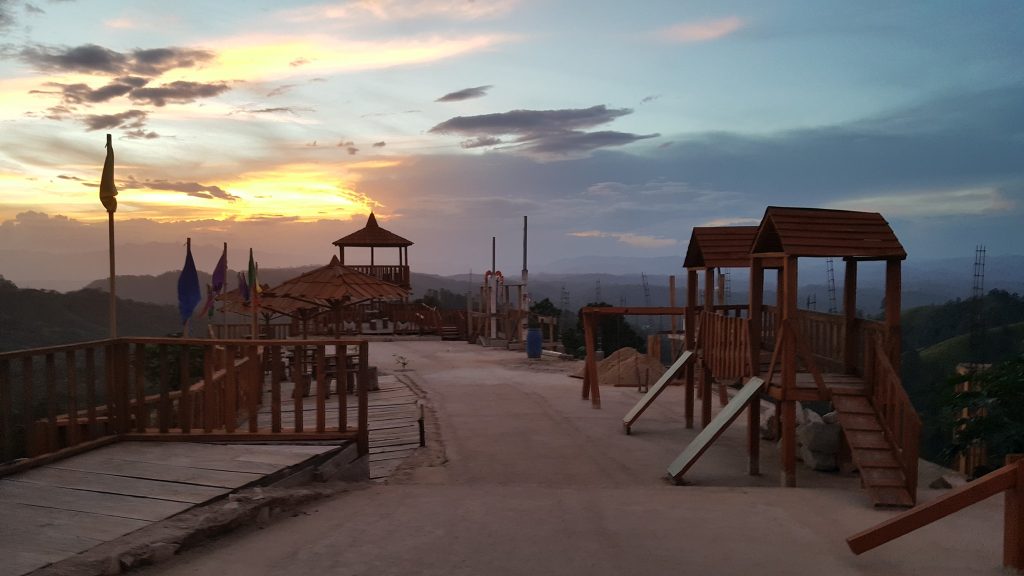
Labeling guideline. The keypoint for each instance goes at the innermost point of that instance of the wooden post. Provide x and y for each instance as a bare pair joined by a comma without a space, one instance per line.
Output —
591,367
850,317
362,410
672,319
113,291
689,331
754,435
756,301
1013,519
892,311
705,368
788,357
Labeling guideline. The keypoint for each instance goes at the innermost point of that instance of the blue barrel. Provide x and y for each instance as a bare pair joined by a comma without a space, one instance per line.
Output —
534,342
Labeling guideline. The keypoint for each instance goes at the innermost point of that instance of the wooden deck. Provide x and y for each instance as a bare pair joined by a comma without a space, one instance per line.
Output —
58,510
393,419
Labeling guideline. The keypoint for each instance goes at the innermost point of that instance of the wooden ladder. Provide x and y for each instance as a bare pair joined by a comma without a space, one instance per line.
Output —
873,453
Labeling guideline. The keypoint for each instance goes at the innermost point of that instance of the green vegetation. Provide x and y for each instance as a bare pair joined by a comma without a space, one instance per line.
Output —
36,318
995,404
938,338
613,332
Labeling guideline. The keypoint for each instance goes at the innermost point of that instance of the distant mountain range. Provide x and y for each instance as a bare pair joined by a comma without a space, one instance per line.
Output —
927,282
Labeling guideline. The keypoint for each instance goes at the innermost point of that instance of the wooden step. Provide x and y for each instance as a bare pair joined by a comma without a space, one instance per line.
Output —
885,496
860,439
876,458
852,404
874,477
854,421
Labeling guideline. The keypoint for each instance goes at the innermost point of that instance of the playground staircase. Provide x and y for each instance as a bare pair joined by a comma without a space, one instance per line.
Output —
872,451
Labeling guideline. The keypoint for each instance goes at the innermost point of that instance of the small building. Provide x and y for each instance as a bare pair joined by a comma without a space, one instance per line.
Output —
373,236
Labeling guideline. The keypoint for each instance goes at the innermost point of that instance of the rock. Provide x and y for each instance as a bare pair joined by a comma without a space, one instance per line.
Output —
940,483
769,426
819,437
831,418
818,460
811,417
800,416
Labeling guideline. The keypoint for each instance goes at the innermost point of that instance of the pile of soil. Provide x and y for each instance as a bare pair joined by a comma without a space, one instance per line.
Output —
626,367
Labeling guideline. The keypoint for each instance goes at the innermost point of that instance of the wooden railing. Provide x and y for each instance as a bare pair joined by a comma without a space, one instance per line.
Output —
375,318
394,274
1008,479
899,420
825,335
725,343
59,400
241,331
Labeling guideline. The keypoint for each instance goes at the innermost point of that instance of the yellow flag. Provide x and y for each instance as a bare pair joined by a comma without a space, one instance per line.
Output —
108,192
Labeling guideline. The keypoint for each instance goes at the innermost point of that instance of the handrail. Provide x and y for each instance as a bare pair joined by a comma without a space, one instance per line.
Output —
54,399
1008,479
899,420
725,342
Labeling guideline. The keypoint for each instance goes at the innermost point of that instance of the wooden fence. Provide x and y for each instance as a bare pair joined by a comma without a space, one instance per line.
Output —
61,400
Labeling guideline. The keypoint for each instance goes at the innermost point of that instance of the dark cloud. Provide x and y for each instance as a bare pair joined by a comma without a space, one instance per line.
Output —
380,144
465,94
140,134
66,177
298,62
132,119
83,94
191,188
529,122
95,59
281,90
575,142
177,92
548,133
480,142
651,98
33,9
275,110
349,147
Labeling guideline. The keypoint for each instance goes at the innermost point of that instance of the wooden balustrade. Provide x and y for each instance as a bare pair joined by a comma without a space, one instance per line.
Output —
725,342
395,274
899,420
240,331
825,335
56,399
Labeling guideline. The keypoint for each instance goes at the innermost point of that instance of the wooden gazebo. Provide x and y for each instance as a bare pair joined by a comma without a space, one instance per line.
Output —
372,236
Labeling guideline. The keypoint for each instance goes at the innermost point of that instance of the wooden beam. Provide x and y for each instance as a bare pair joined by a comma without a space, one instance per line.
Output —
788,358
850,316
892,311
689,329
591,383
756,302
1006,478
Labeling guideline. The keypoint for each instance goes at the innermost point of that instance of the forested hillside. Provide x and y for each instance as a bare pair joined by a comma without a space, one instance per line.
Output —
34,318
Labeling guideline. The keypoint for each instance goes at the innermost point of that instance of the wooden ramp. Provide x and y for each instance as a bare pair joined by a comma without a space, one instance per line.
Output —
714,429
655,390
872,453
55,511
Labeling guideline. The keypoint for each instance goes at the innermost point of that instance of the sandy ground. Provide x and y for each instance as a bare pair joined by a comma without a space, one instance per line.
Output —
521,476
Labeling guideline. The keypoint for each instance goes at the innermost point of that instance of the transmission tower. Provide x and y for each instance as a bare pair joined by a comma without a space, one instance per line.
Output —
563,305
830,281
812,302
727,280
978,299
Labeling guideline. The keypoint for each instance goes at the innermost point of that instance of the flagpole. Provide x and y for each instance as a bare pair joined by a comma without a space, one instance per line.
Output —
113,290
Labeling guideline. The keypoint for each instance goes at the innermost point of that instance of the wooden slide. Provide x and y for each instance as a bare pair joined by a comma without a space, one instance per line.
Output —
714,429
655,390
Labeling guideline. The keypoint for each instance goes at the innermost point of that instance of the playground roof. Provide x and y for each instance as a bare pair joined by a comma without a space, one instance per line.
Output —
818,232
720,247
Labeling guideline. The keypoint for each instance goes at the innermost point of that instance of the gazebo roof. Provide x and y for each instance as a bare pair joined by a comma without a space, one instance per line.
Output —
335,282
820,232
720,247
372,235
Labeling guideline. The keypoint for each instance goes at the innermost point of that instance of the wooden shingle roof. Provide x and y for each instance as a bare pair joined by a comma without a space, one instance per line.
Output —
335,282
821,232
720,247
372,235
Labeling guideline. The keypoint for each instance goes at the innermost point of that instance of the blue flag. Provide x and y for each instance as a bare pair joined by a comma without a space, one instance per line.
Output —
220,273
188,286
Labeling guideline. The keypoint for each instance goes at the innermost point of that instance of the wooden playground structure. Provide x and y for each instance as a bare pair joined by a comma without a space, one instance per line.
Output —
801,356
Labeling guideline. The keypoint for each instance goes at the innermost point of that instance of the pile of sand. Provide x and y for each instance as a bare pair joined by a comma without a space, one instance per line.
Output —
626,367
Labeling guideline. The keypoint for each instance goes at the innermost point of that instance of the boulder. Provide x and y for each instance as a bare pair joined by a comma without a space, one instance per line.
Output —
818,460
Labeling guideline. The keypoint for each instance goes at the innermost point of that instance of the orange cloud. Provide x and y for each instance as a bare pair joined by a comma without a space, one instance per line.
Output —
701,31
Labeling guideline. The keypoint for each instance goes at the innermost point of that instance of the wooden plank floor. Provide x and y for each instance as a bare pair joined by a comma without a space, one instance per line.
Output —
393,418
58,510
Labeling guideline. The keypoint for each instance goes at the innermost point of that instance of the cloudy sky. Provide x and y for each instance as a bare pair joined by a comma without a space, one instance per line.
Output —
615,126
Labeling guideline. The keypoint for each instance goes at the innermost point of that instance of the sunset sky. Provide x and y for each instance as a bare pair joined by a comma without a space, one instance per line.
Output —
616,126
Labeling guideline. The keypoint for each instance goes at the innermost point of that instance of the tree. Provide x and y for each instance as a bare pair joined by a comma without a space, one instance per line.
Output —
613,332
994,406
